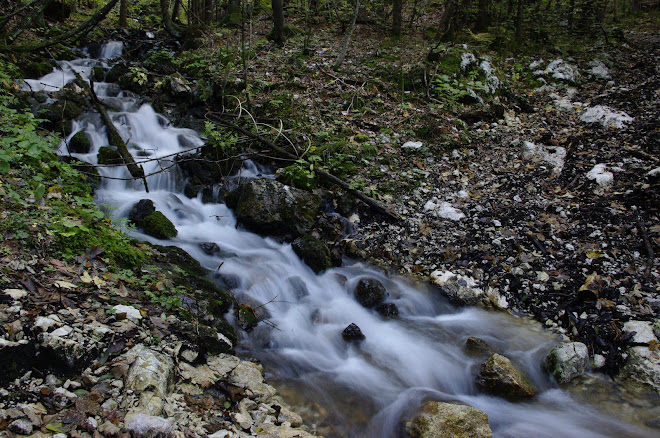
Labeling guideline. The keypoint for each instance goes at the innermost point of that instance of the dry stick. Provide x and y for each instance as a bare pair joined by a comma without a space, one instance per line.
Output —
325,175
642,154
649,248
137,172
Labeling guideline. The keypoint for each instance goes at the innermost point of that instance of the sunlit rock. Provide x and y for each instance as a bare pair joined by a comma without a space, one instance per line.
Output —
436,420
642,365
499,377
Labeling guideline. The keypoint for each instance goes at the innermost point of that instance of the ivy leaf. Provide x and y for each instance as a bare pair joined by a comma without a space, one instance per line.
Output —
86,278
39,192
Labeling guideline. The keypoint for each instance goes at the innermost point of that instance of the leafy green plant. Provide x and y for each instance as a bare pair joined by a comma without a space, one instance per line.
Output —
138,75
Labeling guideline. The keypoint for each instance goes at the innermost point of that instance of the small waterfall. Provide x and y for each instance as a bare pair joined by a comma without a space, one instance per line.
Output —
112,50
363,390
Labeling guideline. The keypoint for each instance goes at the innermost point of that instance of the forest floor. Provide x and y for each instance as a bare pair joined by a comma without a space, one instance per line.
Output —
544,199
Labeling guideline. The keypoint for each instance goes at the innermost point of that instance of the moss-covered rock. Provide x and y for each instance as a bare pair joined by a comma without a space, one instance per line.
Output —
269,207
80,143
107,155
313,252
140,211
159,226
36,69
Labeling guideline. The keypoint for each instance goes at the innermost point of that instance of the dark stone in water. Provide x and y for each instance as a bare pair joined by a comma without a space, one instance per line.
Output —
388,310
370,292
80,143
298,286
352,333
210,248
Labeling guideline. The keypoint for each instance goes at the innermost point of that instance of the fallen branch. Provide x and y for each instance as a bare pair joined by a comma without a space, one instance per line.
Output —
642,154
114,139
377,206
647,244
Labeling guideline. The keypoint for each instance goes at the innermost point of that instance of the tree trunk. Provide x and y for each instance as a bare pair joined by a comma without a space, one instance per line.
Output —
483,16
446,28
278,22
167,22
519,20
347,40
176,10
123,14
397,10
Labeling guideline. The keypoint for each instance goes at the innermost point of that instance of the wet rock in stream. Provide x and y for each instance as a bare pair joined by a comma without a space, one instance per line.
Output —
352,333
498,376
370,292
269,207
567,361
437,419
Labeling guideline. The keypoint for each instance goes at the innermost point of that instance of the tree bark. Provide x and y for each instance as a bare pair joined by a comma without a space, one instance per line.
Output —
483,16
347,40
519,20
123,14
80,30
167,22
397,11
278,22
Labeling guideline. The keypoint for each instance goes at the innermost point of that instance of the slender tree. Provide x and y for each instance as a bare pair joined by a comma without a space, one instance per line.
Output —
278,22
397,11
123,14
167,21
483,16
347,39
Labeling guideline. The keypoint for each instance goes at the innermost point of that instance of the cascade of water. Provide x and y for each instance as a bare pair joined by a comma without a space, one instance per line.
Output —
368,387
112,50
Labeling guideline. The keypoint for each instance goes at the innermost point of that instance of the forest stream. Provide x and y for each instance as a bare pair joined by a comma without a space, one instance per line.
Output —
357,389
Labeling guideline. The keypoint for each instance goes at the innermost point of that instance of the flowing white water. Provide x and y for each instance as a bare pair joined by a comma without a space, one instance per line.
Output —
361,389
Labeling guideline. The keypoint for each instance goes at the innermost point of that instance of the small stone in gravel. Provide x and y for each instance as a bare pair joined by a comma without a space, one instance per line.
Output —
148,426
130,311
21,426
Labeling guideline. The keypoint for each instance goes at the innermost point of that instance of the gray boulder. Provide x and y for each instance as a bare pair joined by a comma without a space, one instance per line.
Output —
269,207
499,377
567,361
150,375
642,365
440,420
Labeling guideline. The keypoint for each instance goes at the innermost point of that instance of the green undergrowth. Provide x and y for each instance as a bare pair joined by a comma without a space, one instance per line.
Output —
47,204
47,213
